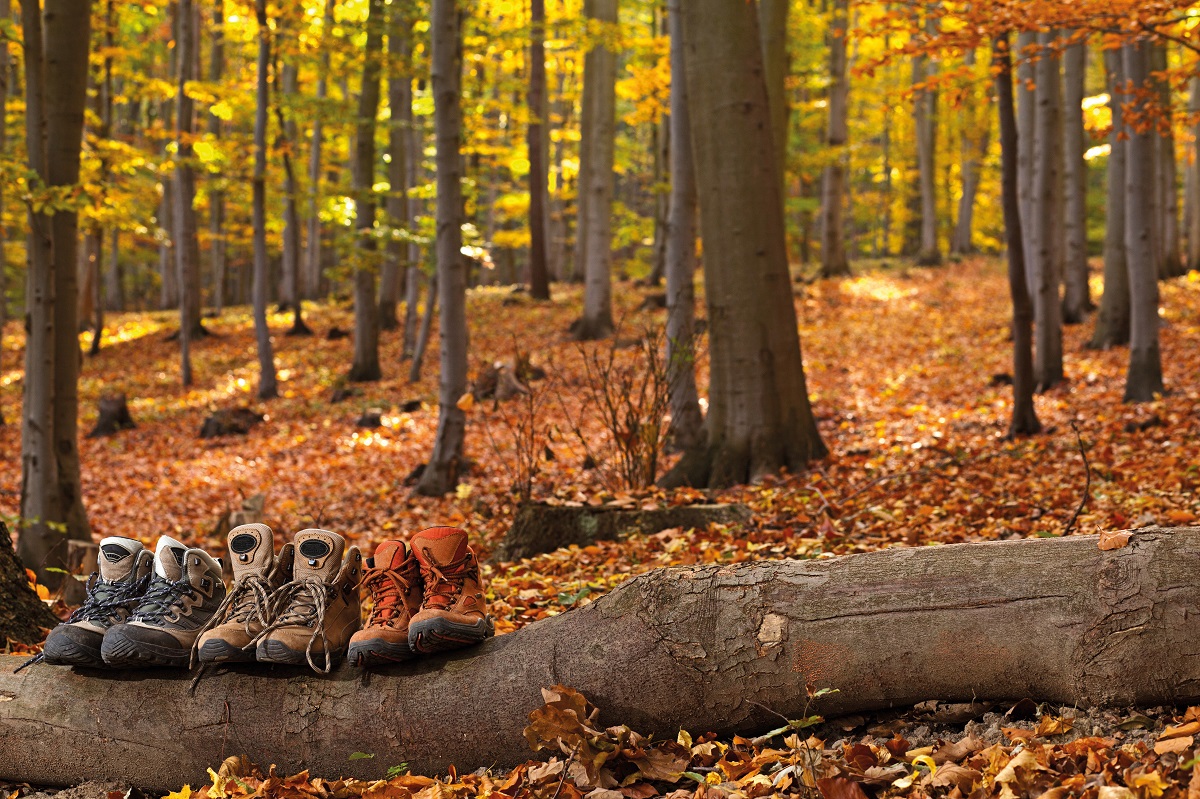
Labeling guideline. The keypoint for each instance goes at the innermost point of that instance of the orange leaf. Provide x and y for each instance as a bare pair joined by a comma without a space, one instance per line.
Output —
1114,540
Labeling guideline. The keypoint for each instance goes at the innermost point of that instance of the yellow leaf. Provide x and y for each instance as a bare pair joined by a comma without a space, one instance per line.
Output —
43,592
183,793
1149,784
466,402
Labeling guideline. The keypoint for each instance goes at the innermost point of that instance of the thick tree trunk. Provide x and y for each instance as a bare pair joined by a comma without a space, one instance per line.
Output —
772,29
23,617
216,194
366,313
1144,379
267,383
312,249
1046,229
1112,323
596,184
759,418
442,472
833,230
395,260
925,122
1077,299
1024,416
686,417
726,648
537,147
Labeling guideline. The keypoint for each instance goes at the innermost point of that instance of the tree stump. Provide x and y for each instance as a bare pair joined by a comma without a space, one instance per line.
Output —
114,416
544,528
230,422
23,617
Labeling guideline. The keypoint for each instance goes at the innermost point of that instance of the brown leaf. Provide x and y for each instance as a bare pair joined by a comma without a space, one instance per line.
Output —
1017,734
956,776
840,788
1164,746
639,790
1113,539
665,762
1190,728
1054,725
952,753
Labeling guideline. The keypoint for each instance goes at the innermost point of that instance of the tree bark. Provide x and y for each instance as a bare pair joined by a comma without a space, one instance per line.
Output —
833,231
1046,215
1024,420
759,418
1170,256
293,278
687,420
925,122
1026,133
442,472
23,617
312,250
728,648
596,183
773,23
395,262
216,193
1144,378
5,63
267,383
976,135
1192,206
426,329
1077,298
1112,323
187,245
366,313
536,145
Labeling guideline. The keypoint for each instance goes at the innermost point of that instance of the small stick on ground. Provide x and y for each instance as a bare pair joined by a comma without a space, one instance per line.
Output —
1087,488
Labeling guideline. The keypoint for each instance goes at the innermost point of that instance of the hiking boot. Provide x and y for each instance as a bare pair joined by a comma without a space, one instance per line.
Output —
318,610
114,589
393,580
184,593
453,613
257,573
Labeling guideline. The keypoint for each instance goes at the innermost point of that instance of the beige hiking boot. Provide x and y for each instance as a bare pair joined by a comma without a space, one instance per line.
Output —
319,609
393,580
453,613
257,574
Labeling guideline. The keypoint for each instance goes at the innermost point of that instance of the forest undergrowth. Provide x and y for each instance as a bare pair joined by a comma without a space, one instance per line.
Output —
908,371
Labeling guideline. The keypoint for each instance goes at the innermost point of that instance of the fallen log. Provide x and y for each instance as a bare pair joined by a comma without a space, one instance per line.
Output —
704,648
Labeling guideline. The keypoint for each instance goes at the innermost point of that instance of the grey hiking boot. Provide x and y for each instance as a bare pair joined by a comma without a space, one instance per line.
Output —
248,607
319,609
113,590
184,593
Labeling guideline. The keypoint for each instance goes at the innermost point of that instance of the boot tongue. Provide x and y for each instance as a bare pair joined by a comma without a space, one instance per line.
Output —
318,554
118,558
252,548
168,558
439,546
391,555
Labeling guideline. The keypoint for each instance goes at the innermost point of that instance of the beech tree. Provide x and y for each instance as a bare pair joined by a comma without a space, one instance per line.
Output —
187,245
773,29
1112,322
267,384
973,150
312,250
216,189
1047,215
833,234
441,473
1077,299
759,418
395,260
539,176
5,16
925,123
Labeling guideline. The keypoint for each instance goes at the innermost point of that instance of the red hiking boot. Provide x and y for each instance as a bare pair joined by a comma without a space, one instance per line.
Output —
393,581
454,612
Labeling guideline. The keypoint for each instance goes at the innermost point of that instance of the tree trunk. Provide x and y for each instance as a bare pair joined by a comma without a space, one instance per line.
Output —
395,262
536,145
1077,298
728,648
1046,214
773,23
267,383
1112,323
596,183
1166,172
187,245
686,417
442,472
293,286
165,217
312,250
759,418
216,194
925,122
1192,206
1024,416
366,312
422,341
1144,379
5,63
23,617
833,234
1026,134
976,135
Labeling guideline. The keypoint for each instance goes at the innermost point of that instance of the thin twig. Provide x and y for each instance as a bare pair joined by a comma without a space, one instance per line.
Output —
566,768
1087,488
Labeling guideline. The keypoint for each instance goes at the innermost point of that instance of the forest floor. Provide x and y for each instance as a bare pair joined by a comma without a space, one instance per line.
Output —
907,369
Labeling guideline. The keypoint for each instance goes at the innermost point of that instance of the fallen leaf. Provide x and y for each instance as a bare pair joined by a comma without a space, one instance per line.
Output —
1190,728
1054,725
1163,746
1115,792
840,788
1110,540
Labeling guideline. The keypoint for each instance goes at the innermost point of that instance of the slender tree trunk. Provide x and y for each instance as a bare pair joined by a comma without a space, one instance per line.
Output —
976,134
426,330
539,178
114,276
1026,135
312,251
686,418
293,278
1166,172
833,234
399,97
216,194
366,312
1077,300
167,270
759,418
596,180
187,245
925,122
5,64
416,276
94,240
441,473
1192,207
773,23
1024,416
1047,214
1112,323
267,384
1144,379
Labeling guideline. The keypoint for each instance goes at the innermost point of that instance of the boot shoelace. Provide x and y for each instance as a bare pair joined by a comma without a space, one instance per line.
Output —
247,601
106,600
163,599
441,592
388,589
303,603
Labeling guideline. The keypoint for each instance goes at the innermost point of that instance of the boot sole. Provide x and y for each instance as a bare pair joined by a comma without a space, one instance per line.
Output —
442,635
270,651
119,651
379,653
224,652
62,651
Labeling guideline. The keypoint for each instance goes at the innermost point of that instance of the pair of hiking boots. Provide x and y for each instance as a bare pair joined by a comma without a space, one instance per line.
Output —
142,608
